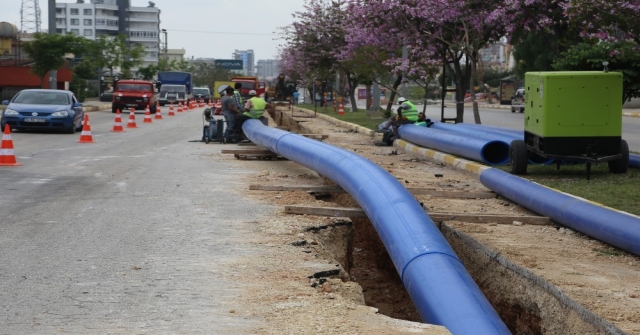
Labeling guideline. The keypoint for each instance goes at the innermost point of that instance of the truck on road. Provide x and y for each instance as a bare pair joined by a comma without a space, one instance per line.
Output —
249,83
174,87
136,94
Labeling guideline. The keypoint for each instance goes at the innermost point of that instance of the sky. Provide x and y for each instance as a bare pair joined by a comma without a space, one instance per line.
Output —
206,28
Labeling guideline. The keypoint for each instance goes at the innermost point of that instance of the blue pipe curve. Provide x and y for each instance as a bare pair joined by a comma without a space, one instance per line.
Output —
634,160
616,228
481,150
442,290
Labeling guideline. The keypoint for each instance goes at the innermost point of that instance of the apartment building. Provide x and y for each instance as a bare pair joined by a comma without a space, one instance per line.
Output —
267,68
110,17
248,66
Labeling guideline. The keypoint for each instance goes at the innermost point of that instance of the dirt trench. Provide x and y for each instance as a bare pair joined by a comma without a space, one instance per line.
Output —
527,303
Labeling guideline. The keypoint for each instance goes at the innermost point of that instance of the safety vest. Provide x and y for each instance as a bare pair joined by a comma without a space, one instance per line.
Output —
257,108
421,123
411,114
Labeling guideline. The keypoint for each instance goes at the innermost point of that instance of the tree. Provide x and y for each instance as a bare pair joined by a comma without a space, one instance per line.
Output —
449,31
622,56
48,52
111,52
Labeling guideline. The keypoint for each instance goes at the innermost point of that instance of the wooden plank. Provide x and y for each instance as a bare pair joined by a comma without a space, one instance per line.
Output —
413,190
438,217
316,136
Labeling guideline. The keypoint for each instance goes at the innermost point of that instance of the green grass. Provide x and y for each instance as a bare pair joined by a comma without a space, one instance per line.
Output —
607,252
359,117
619,191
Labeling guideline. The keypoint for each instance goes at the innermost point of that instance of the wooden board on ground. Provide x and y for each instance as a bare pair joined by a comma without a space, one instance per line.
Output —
438,217
319,137
246,151
414,190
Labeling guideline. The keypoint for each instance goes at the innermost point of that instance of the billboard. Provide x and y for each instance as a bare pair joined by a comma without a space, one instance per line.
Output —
229,64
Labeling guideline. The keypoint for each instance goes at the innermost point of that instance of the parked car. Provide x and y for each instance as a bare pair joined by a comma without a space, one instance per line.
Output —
202,93
43,109
518,101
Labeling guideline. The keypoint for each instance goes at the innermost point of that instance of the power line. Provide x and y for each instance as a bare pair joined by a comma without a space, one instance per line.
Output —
219,32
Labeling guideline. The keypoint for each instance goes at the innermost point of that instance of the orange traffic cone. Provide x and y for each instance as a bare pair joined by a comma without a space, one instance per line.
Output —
219,103
132,119
117,125
7,156
341,109
179,107
85,136
147,116
202,103
171,113
158,113
210,103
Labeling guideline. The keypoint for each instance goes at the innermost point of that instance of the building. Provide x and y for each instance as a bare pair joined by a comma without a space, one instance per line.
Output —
109,17
267,68
247,61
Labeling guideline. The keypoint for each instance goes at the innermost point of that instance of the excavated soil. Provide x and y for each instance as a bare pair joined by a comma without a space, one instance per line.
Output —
332,275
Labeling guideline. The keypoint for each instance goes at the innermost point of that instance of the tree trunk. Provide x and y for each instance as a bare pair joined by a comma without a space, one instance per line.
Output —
353,83
460,91
368,97
392,97
472,90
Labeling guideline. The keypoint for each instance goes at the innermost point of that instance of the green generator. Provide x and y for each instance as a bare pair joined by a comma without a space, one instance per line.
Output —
574,116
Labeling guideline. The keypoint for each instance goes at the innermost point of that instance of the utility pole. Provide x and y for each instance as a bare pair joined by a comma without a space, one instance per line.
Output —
30,16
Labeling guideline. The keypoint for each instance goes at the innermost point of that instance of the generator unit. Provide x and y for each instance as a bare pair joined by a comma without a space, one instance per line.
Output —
573,115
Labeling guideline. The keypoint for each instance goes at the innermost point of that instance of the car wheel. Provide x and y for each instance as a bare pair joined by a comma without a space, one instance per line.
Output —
513,110
114,109
72,130
521,110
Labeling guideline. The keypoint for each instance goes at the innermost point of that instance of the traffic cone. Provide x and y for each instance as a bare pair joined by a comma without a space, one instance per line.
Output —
147,116
7,156
341,109
85,136
201,102
158,113
210,103
219,103
171,113
179,107
117,125
132,119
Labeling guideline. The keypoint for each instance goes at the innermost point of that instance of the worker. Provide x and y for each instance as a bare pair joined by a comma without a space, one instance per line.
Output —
407,113
237,97
254,109
229,111
423,121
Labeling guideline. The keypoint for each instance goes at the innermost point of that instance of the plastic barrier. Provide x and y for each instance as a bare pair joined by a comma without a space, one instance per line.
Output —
481,150
616,228
439,285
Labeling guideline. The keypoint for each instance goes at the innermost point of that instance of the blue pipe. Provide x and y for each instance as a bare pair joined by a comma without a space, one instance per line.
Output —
478,149
610,226
490,133
634,160
443,291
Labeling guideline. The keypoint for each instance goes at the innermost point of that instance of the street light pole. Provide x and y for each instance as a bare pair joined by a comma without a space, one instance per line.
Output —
166,46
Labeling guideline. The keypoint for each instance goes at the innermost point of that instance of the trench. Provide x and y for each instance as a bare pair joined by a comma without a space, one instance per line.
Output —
527,304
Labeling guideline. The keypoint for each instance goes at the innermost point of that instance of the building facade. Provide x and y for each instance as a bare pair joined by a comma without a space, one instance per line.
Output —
110,17
248,61
267,68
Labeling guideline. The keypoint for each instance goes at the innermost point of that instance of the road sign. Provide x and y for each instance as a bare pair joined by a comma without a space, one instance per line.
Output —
229,64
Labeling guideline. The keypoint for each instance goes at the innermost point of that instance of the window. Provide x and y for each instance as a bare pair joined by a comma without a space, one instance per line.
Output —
59,10
88,32
101,22
88,22
74,11
60,22
75,22
87,11
112,23
75,31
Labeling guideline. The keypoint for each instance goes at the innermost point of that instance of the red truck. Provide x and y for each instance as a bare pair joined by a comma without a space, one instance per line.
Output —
137,94
249,83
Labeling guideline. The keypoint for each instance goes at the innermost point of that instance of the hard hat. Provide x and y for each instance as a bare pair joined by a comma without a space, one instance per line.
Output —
401,100
252,92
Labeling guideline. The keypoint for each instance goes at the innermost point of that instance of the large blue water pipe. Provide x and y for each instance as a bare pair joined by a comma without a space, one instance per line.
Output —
490,152
614,227
442,290
634,160
490,133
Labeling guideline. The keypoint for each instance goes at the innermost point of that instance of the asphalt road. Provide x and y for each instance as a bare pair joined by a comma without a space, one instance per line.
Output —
504,118
126,235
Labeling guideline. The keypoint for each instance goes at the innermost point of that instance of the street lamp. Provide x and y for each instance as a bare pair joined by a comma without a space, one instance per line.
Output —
166,53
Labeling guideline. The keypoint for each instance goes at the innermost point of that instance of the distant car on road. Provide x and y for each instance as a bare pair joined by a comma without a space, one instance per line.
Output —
518,101
202,93
43,109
